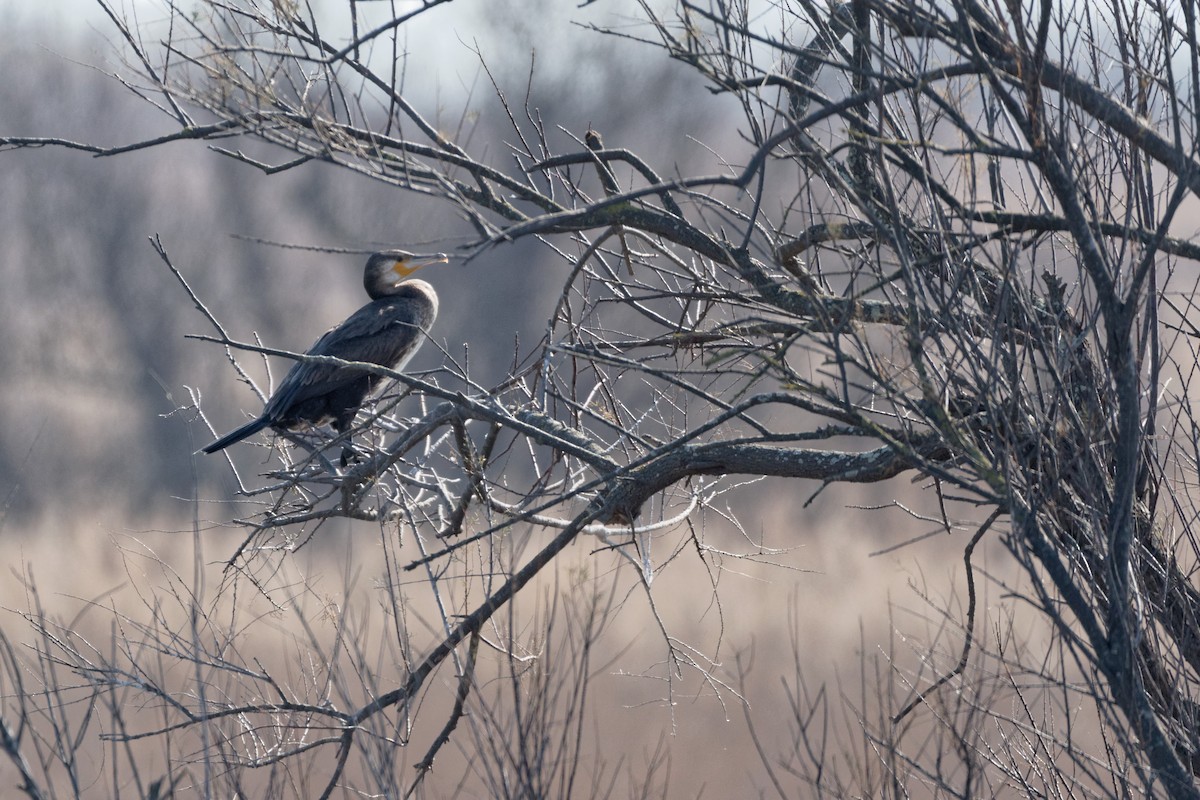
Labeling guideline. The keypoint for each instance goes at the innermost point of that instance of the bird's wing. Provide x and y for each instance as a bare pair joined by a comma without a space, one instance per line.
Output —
386,332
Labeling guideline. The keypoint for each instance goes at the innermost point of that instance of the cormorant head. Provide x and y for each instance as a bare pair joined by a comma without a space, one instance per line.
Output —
388,269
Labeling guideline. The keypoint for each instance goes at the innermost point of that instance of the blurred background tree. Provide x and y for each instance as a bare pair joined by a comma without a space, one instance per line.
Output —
713,263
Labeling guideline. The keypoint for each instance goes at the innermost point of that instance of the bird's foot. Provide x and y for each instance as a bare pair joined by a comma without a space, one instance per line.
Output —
350,456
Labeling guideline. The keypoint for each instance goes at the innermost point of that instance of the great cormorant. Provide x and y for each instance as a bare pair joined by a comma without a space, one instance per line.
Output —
386,331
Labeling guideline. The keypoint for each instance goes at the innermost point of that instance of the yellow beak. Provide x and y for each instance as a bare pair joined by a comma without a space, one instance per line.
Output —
407,266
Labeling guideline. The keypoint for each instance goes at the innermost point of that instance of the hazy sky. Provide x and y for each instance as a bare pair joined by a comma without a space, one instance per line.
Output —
442,40
69,17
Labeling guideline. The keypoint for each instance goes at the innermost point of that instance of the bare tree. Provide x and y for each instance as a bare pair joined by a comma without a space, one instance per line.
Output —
944,242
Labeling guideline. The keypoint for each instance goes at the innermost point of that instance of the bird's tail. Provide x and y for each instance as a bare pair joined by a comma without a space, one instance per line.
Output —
249,429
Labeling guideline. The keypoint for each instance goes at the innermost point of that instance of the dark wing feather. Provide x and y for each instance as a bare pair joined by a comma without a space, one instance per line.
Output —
386,332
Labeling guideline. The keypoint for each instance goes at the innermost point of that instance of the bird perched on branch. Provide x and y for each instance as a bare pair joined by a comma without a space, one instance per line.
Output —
387,331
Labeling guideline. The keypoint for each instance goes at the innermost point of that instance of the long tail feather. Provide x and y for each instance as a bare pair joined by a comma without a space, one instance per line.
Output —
249,429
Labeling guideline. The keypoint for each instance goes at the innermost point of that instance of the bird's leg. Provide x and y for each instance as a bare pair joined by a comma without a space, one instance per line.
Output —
350,454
